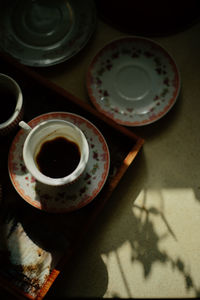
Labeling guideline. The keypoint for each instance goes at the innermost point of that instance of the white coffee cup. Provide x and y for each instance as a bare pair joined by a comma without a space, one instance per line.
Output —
11,104
48,133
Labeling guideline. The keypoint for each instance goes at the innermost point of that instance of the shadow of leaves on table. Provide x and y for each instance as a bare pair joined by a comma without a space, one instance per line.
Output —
122,224
145,248
148,236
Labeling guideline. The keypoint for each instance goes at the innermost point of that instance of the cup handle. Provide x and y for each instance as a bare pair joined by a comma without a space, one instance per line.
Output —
25,126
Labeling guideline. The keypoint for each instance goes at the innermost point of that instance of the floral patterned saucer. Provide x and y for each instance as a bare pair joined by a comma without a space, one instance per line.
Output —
133,80
65,198
45,33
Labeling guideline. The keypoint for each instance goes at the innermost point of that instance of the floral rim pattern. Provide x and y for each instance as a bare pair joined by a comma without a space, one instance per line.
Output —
65,198
146,54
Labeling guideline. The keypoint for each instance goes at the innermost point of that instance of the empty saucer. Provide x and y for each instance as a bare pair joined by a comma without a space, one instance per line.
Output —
133,80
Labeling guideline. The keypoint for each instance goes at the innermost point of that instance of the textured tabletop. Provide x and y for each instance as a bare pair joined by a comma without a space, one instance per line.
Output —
146,242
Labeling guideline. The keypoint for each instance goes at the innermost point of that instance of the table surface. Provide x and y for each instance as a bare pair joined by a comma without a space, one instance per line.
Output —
146,242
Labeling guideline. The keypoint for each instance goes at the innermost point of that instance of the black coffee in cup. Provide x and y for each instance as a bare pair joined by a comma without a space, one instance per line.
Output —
58,157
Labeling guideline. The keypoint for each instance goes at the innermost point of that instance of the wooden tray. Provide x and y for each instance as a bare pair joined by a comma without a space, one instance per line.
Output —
27,233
